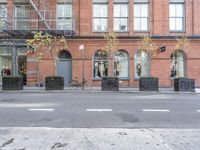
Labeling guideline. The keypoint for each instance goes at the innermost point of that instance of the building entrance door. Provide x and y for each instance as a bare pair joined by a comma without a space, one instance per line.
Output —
22,64
64,66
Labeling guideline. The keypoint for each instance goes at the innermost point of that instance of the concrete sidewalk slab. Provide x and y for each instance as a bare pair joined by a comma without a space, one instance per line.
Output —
98,139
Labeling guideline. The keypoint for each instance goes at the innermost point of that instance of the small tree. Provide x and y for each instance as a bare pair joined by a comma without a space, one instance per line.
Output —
148,45
45,45
110,46
183,44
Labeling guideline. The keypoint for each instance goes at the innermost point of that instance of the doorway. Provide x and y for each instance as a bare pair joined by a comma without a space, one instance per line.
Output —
64,66
22,67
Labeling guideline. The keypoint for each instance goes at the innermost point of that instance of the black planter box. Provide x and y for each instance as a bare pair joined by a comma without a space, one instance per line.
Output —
184,84
54,83
110,84
12,83
148,84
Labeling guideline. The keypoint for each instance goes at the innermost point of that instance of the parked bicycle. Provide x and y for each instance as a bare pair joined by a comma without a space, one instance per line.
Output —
76,83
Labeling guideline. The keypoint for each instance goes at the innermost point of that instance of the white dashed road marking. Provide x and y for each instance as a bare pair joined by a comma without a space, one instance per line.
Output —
44,109
198,110
99,110
155,110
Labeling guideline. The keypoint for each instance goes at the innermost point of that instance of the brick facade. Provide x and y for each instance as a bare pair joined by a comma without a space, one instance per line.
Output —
128,41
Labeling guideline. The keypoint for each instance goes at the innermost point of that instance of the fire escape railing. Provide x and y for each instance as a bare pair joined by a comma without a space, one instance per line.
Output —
42,14
35,16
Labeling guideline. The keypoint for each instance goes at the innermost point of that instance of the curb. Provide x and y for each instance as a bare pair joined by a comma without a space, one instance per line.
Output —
134,91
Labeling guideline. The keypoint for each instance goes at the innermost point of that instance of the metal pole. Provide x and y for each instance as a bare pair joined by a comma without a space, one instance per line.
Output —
14,61
83,72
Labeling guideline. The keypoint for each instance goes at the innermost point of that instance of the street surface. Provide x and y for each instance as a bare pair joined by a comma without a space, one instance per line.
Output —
100,110
99,121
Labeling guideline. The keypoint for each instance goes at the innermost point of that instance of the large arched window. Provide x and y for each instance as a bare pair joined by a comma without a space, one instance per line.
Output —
100,64
141,64
177,66
121,64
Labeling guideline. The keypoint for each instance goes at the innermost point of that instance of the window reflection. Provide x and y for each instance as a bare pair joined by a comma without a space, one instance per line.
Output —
100,64
121,64
141,64
177,64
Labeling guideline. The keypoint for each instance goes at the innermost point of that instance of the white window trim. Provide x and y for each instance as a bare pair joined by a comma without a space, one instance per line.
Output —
93,30
148,17
64,18
183,18
122,17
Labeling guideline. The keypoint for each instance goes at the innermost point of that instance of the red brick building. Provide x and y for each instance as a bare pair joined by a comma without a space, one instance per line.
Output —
84,21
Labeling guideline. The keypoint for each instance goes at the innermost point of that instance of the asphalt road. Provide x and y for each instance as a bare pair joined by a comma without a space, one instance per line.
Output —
100,110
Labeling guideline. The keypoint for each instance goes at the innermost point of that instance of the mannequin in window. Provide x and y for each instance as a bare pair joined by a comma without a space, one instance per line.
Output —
7,70
106,69
173,71
3,71
117,68
139,69
101,69
96,65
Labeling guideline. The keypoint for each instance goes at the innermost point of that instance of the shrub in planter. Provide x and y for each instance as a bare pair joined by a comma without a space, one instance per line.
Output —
12,83
110,84
184,84
54,83
148,84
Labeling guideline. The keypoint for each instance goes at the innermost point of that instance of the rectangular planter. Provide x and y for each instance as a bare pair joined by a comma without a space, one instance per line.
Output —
110,84
12,83
148,84
184,84
54,83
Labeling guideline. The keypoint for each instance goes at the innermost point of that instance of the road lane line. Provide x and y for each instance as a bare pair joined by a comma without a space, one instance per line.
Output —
155,110
99,110
42,109
198,110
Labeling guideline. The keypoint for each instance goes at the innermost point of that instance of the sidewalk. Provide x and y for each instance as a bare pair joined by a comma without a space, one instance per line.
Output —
28,89
98,139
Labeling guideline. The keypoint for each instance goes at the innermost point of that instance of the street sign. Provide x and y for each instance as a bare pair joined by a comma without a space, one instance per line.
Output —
162,49
81,47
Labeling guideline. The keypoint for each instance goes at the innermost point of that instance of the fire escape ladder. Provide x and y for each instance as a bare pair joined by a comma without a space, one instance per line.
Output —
43,18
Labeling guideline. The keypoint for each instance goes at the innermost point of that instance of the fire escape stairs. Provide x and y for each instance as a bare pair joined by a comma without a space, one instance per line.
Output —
39,14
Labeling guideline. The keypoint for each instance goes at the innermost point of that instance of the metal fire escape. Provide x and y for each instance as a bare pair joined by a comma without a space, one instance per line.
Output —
34,15
41,10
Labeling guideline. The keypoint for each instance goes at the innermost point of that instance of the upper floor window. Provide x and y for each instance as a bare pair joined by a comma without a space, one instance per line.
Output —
176,15
64,16
141,15
120,20
21,16
100,15
3,15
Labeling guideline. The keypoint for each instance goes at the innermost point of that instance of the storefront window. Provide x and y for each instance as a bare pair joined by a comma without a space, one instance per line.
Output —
5,61
100,64
177,64
121,64
141,64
